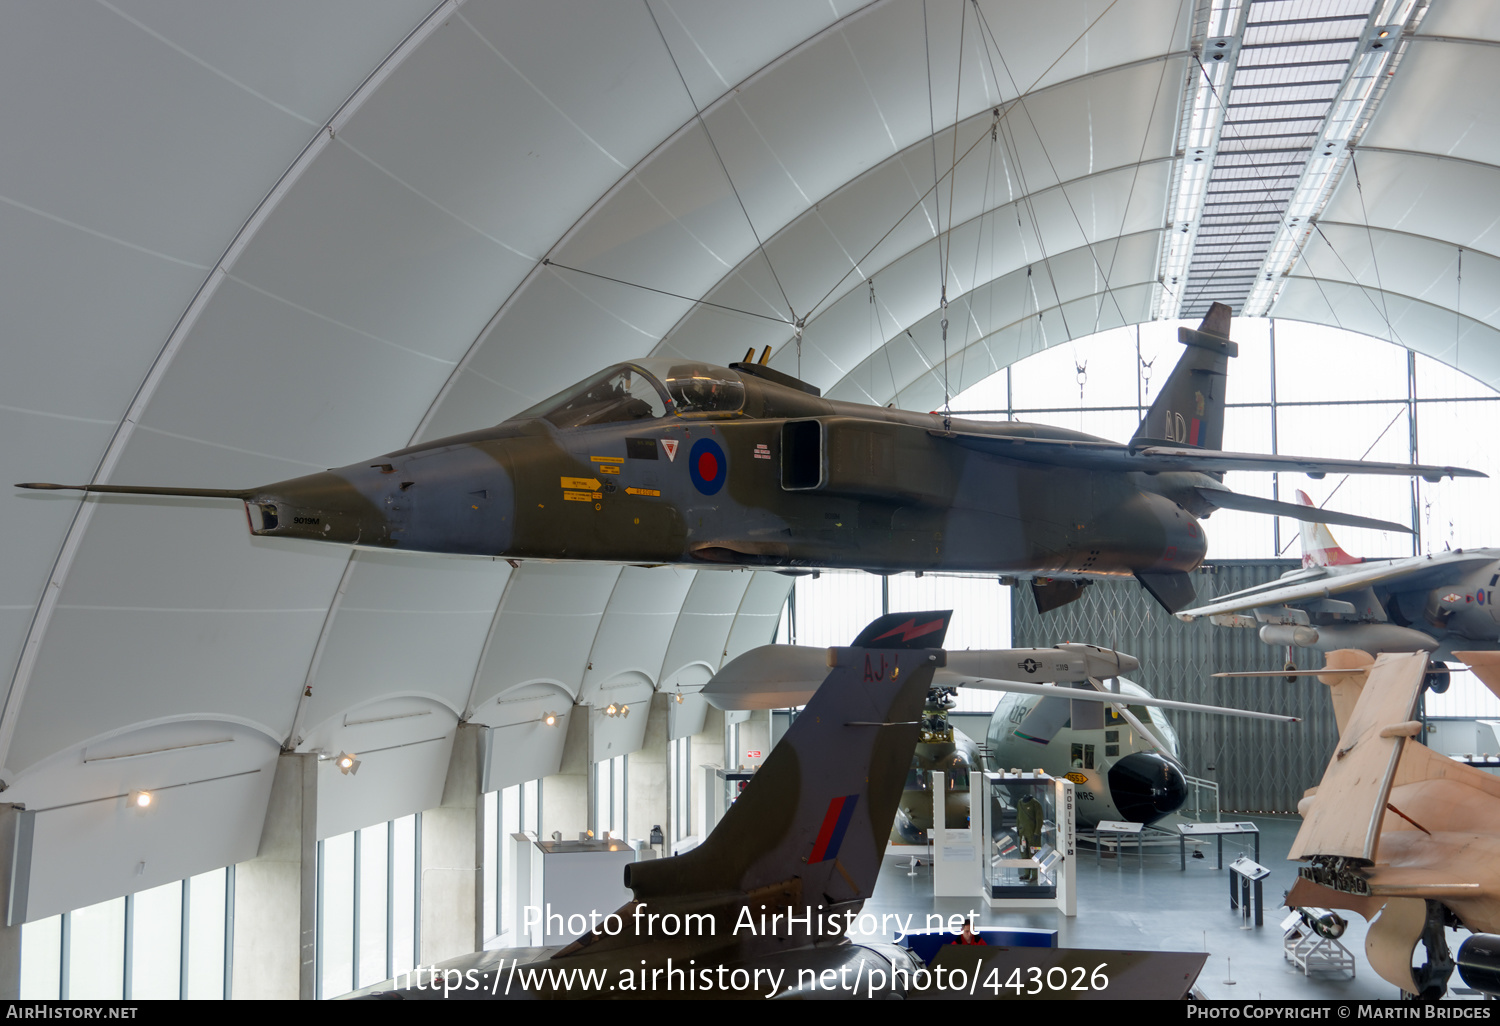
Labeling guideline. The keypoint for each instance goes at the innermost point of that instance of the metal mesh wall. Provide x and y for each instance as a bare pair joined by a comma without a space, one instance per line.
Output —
1260,766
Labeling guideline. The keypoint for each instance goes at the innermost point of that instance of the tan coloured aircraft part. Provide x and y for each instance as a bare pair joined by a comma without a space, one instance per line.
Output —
1441,839
1362,766
1393,934
1486,666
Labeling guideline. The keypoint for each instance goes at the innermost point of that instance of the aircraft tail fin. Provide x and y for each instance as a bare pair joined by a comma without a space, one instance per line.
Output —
819,811
1318,546
1189,410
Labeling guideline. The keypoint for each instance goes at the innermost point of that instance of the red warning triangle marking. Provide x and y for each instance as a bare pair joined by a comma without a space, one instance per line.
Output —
670,445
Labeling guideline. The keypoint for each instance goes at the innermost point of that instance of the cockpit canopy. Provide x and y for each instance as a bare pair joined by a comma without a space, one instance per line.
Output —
644,390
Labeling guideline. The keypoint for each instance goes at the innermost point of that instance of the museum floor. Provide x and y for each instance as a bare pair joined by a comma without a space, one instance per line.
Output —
1158,906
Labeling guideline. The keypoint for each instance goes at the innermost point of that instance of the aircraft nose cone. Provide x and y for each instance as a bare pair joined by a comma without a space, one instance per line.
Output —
1146,787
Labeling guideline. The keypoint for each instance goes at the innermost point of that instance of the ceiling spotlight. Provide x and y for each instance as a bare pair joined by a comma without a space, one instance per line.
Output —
612,710
678,697
549,719
347,764
141,799
624,710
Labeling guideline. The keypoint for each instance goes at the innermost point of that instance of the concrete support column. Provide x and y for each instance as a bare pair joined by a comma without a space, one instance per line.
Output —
10,932
565,794
646,802
452,854
276,893
706,749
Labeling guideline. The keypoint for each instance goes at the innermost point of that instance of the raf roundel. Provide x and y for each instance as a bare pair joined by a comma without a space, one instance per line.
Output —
708,466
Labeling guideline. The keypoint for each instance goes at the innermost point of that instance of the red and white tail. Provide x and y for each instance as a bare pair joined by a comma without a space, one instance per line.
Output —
1318,546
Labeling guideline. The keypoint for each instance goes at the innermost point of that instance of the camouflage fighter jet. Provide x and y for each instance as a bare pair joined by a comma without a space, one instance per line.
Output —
674,461
1433,603
761,908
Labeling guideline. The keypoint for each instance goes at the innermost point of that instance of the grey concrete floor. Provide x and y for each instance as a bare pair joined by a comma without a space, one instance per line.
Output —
1157,906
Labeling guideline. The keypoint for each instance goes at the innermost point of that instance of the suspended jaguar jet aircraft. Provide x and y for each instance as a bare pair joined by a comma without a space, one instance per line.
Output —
673,461
1433,603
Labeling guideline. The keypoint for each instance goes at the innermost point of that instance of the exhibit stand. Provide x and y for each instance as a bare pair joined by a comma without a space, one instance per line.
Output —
1026,821
558,884
955,846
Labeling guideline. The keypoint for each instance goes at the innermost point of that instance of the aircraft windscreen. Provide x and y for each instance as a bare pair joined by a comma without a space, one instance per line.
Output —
699,388
621,394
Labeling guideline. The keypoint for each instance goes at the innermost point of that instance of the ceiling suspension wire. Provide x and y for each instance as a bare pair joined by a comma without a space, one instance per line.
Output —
1370,236
729,178
1135,175
1458,303
984,206
1007,132
992,50
1363,290
890,368
548,262
1004,117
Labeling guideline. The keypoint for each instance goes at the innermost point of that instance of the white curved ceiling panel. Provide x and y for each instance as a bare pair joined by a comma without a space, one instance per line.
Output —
717,46
545,629
759,613
591,62
677,202
304,56
1469,344
392,782
212,780
1439,103
74,302
702,630
352,244
1044,44
457,117
1468,21
636,627
231,636
355,396
408,623
1419,268
37,448
1423,194
136,140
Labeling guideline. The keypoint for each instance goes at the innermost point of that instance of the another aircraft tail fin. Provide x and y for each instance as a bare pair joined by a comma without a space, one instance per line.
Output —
1190,407
818,813
1318,546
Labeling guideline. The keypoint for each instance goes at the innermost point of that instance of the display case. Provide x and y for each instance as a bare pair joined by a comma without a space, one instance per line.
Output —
1027,832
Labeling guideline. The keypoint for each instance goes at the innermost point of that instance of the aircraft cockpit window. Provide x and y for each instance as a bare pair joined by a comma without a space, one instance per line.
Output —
622,395
700,389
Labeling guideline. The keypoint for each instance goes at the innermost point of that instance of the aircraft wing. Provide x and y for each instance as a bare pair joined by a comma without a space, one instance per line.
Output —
1086,455
1345,817
1416,572
783,676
